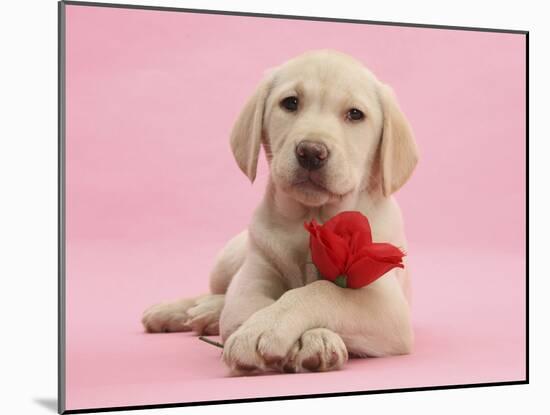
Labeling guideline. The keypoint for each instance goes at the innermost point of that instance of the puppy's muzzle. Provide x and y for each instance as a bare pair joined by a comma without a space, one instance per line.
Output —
311,155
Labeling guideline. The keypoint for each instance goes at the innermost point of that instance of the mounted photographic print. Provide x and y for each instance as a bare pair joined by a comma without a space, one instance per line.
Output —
258,207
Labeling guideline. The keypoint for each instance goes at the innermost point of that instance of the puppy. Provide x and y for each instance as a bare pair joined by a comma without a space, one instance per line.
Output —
335,140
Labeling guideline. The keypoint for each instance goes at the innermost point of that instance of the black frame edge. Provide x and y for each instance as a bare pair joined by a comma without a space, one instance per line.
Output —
294,397
291,17
61,334
527,328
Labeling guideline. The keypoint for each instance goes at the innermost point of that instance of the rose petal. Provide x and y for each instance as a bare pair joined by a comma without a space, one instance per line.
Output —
328,251
357,242
384,252
322,260
336,247
368,270
347,224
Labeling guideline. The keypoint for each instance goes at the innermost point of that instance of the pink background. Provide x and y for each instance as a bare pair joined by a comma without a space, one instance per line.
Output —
153,193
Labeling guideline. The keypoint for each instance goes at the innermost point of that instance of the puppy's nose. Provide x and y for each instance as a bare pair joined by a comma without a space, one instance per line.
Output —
311,155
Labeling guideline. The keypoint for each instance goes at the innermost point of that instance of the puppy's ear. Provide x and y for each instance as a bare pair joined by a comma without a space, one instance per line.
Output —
398,151
246,136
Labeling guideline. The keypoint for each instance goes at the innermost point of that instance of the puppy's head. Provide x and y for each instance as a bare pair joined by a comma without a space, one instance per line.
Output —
329,128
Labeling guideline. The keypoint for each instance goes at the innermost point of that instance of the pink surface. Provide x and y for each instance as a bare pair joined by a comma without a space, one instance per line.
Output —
153,193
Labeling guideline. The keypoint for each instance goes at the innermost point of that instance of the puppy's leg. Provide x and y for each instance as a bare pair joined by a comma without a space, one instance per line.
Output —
200,314
255,286
227,263
204,316
372,321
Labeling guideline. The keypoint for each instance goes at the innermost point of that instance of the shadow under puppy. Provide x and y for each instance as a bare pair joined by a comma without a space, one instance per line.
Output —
335,140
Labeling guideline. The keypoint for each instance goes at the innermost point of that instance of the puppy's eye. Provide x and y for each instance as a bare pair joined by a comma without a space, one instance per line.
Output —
355,115
290,104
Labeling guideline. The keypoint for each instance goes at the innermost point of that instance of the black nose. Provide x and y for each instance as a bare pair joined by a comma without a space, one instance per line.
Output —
311,155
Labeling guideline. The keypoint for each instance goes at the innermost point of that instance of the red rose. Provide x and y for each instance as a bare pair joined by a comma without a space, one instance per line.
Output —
343,251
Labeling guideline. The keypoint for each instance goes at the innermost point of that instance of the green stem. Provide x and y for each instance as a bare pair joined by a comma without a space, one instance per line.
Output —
212,342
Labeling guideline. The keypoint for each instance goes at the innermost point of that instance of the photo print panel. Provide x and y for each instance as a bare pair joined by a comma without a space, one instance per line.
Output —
259,207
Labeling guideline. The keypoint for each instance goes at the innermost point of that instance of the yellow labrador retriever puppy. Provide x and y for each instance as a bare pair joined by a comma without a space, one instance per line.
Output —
335,140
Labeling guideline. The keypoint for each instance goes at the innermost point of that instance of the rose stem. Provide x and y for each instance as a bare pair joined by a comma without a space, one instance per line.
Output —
212,342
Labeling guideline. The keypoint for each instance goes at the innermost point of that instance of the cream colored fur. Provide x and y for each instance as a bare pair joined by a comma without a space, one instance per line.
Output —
266,302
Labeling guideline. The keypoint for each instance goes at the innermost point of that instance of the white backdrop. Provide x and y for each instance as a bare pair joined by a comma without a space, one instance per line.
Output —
28,183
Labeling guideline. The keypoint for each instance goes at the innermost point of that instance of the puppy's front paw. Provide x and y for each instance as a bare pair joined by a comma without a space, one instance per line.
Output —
167,316
256,347
317,350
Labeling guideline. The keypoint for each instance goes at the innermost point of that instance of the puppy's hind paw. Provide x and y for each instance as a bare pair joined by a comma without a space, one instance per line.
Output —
204,316
167,316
